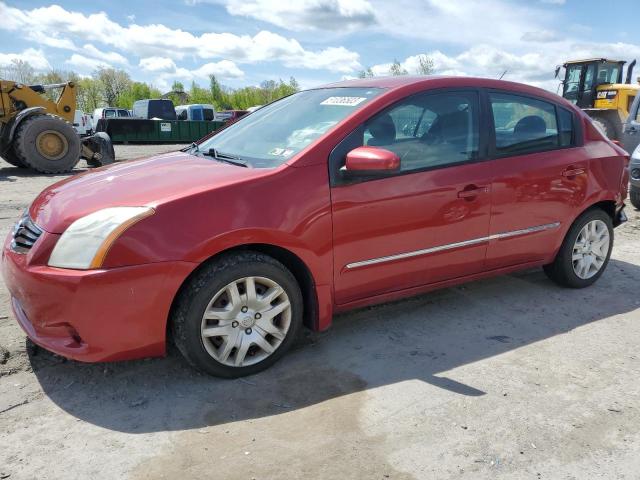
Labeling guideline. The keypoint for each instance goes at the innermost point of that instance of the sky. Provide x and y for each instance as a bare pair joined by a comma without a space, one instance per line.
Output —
244,42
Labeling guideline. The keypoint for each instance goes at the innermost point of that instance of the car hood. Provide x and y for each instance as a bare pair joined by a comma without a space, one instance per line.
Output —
150,181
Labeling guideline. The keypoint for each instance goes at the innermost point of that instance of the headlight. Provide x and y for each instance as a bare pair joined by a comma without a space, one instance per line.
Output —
85,244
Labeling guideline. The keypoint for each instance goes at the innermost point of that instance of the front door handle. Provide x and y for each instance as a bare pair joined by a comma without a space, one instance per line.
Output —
472,191
573,172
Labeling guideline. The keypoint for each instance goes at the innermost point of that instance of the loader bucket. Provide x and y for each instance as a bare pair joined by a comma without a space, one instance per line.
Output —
97,150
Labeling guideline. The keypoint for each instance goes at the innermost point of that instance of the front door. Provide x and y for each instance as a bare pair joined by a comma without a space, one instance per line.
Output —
540,178
427,223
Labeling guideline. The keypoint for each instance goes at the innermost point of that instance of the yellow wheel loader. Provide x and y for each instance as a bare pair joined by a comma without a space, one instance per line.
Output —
595,85
37,133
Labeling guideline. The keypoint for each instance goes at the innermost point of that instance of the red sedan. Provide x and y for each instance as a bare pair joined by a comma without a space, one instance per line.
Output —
333,198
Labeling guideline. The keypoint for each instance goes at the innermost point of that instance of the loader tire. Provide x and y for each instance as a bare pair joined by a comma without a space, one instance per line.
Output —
607,127
47,144
10,156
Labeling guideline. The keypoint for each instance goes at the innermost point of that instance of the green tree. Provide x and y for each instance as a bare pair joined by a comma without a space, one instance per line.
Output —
89,94
366,73
219,97
177,86
113,83
136,91
397,69
425,65
197,94
18,71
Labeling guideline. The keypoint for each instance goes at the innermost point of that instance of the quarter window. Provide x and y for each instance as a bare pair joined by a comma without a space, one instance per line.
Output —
565,120
525,125
429,130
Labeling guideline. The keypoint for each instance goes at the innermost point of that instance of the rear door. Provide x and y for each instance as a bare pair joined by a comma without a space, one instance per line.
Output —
540,177
631,130
425,224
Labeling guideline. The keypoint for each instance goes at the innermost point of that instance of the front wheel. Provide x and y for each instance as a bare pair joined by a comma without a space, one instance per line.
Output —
238,315
585,251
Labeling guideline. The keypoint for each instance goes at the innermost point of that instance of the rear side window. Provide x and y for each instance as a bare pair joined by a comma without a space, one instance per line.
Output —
525,125
208,114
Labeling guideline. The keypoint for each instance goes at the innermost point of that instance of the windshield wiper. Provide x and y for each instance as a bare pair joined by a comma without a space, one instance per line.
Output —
193,148
226,158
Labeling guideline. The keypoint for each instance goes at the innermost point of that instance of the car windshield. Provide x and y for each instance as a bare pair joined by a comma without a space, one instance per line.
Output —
275,133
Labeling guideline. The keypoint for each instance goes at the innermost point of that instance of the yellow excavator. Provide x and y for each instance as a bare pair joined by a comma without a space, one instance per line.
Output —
37,133
595,85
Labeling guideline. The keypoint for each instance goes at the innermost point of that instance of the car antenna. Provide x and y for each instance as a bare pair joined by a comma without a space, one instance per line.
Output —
503,74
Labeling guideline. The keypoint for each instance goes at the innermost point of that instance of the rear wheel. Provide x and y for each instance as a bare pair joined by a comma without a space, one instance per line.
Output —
238,315
634,196
48,144
585,251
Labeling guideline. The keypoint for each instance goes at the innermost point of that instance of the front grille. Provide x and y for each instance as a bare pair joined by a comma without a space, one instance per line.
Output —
25,234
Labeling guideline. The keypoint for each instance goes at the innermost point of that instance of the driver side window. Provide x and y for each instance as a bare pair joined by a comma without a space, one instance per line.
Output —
428,130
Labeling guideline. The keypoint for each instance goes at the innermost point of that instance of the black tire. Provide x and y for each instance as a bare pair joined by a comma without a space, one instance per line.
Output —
561,270
31,155
194,297
10,156
607,126
634,197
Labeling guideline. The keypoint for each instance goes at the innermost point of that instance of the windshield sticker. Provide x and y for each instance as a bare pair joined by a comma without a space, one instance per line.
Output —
343,101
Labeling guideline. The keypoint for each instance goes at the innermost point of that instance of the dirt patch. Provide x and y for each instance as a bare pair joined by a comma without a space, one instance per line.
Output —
324,440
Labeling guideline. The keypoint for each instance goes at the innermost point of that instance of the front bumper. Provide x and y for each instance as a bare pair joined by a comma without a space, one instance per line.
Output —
95,315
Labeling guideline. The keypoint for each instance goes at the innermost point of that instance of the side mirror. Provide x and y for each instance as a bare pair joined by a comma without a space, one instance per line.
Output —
372,161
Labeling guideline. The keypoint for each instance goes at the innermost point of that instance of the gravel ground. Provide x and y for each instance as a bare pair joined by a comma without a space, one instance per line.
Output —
510,377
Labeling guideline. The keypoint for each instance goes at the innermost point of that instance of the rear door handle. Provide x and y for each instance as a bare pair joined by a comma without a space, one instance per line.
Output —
572,172
472,191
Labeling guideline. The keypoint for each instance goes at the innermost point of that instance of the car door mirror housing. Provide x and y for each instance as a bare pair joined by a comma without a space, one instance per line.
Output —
371,161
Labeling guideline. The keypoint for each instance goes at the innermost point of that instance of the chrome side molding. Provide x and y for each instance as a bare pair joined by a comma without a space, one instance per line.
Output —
451,246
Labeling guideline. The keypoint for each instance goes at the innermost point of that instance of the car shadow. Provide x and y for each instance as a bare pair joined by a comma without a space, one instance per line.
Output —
422,338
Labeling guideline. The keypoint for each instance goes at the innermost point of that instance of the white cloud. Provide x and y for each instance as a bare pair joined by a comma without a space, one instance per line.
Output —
223,70
310,14
540,36
554,2
110,57
157,64
158,40
463,22
535,68
85,63
35,58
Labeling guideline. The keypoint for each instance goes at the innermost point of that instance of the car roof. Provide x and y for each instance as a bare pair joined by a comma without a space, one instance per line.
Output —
415,83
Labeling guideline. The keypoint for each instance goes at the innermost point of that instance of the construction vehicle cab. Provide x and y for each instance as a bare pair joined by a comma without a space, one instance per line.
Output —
596,86
37,132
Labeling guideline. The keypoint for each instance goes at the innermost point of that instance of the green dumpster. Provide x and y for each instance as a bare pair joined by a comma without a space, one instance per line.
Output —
136,130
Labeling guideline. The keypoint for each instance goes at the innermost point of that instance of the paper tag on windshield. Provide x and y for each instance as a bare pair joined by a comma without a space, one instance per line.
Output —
344,101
